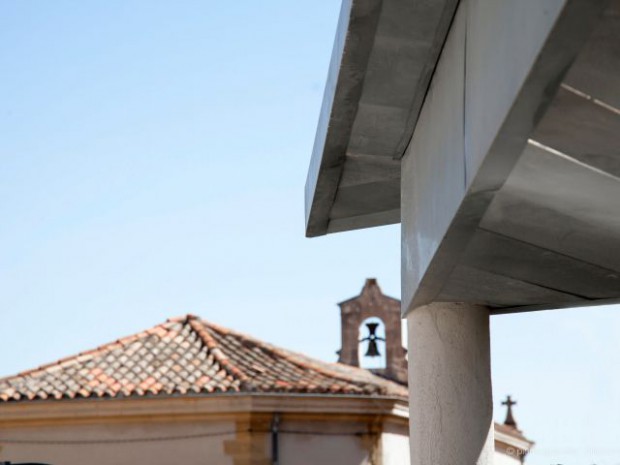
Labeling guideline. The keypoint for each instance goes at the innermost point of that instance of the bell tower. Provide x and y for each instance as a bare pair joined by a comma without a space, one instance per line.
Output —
372,303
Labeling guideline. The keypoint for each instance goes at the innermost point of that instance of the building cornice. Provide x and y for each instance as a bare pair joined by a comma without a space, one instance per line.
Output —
190,407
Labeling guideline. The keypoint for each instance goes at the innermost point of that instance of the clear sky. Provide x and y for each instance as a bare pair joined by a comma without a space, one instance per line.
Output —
152,162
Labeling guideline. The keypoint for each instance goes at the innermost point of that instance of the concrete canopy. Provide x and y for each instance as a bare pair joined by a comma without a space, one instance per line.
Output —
382,62
494,135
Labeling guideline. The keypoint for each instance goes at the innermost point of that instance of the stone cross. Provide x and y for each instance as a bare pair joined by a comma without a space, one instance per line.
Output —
509,421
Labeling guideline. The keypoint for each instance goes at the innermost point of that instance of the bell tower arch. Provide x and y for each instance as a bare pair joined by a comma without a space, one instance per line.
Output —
353,312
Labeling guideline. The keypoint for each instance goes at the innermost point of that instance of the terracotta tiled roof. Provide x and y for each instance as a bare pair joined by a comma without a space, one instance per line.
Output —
189,355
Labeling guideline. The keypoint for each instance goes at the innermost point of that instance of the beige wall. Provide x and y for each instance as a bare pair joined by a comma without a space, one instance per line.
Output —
335,445
505,459
113,443
190,432
201,431
188,443
395,444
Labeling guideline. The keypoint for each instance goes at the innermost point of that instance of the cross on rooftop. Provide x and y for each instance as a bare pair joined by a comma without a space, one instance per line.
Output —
510,421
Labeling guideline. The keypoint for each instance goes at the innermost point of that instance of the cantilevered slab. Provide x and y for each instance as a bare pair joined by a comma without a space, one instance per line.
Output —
383,58
510,178
510,187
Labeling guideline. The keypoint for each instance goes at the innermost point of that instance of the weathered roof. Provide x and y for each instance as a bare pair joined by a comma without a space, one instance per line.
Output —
188,355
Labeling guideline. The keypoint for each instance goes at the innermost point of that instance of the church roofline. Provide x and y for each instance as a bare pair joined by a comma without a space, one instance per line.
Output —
368,286
188,355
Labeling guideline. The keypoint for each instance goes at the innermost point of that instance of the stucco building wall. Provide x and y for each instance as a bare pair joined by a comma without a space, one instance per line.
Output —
395,444
505,459
228,431
137,442
190,443
214,440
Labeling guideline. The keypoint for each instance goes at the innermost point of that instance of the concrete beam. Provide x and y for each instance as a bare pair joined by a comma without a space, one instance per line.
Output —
352,46
501,67
383,59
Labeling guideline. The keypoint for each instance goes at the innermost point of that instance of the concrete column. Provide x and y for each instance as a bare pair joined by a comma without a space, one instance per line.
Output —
451,404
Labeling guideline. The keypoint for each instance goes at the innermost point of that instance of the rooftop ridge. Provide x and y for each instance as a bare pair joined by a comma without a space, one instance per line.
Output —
371,286
303,361
190,355
213,348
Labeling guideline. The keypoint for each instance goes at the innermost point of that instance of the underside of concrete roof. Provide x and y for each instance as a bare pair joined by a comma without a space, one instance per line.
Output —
382,63
491,131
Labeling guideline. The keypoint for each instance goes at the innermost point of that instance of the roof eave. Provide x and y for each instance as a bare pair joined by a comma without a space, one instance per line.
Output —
367,55
200,404
352,46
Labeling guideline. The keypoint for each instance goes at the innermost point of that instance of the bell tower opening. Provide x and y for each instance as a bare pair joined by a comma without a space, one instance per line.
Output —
372,333
371,345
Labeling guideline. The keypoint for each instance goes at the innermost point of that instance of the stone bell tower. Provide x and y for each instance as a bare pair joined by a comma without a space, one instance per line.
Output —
372,303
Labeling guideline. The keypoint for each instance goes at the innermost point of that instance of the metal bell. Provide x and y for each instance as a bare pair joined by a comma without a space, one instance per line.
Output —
373,349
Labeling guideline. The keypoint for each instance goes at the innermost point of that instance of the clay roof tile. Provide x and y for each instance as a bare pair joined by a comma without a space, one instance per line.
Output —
190,355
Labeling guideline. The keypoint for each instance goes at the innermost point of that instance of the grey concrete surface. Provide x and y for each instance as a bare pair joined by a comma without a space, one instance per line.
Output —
510,84
509,188
451,404
383,59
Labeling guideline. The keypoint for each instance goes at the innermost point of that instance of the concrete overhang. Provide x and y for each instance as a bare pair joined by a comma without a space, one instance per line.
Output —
383,58
499,150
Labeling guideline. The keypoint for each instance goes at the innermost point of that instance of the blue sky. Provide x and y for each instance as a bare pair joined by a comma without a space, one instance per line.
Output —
152,162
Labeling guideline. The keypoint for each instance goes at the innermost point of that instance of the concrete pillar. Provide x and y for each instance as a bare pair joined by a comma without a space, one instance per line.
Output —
451,404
